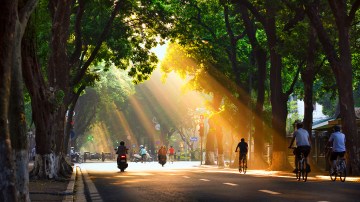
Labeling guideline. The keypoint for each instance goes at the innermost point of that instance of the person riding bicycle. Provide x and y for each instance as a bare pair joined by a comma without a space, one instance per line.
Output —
243,146
337,139
302,138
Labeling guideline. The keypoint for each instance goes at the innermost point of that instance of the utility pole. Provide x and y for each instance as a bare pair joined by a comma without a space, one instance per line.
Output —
201,133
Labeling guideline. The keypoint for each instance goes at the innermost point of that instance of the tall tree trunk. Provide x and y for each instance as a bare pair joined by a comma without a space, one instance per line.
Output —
260,62
42,102
19,140
308,77
213,134
278,98
8,17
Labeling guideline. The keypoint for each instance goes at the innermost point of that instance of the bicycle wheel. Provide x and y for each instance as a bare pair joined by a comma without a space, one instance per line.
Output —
332,175
298,172
240,169
342,173
244,165
303,170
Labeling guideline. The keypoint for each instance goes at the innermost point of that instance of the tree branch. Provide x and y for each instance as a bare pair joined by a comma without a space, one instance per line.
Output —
291,89
253,10
25,12
80,74
78,35
299,16
353,10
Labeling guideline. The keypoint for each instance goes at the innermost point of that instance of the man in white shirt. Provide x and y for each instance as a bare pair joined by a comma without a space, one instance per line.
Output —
337,139
302,138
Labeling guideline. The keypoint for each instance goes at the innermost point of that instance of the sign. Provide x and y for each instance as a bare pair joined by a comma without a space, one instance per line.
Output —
157,127
72,134
194,139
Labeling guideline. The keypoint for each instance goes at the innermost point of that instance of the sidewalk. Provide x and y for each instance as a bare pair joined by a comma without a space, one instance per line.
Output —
51,190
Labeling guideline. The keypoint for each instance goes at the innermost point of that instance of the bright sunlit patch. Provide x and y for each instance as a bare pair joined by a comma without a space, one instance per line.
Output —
348,179
129,181
230,184
160,51
269,192
122,176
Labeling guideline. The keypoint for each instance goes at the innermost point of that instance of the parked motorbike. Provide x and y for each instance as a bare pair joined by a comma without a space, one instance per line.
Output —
75,157
162,160
122,162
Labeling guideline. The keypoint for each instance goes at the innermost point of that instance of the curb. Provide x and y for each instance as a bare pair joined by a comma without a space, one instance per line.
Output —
69,193
91,189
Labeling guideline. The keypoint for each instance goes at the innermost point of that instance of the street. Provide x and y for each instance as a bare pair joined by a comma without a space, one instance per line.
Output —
188,181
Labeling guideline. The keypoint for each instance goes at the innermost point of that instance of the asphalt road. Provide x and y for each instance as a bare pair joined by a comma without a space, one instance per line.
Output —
188,181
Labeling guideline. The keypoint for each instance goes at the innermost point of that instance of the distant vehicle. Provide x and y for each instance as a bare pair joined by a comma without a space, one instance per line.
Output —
95,156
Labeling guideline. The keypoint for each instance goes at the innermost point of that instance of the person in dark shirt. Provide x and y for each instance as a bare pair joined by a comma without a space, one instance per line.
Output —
243,146
122,150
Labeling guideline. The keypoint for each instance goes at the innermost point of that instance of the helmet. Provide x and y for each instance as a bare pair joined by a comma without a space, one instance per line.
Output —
141,146
122,143
336,128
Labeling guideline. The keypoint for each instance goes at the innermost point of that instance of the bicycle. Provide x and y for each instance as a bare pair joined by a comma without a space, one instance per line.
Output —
340,168
302,171
243,163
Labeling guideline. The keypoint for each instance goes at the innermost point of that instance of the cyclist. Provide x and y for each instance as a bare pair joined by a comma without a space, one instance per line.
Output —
302,142
337,139
243,146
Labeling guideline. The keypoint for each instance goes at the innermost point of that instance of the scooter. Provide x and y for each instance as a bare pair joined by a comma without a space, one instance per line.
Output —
122,162
162,160
136,158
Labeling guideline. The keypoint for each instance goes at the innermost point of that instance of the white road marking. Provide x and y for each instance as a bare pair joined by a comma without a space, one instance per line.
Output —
231,184
206,180
270,192
186,177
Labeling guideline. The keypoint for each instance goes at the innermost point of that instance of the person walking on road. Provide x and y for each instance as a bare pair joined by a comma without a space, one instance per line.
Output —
171,154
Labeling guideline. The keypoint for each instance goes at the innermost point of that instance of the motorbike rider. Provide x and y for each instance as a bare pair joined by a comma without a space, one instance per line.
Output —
162,155
162,151
121,150
143,153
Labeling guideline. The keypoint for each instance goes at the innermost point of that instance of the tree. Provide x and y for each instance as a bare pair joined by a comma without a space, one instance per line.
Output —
340,61
13,124
77,43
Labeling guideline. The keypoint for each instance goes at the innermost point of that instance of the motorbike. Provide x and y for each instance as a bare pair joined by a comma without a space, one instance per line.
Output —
162,160
75,157
122,162
137,158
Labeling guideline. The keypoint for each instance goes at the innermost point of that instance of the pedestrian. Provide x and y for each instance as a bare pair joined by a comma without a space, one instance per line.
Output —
171,154
178,155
